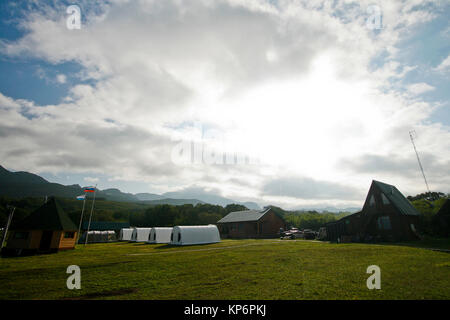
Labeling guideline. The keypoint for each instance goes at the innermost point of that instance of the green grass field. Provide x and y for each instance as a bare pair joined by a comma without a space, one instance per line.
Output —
232,269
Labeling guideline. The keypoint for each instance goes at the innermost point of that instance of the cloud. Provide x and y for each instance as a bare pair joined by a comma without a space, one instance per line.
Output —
60,78
289,82
307,188
91,179
404,168
444,65
419,88
53,143
372,163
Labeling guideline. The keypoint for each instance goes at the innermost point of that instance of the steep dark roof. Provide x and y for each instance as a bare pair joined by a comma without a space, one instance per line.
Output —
241,216
104,225
50,216
445,209
397,199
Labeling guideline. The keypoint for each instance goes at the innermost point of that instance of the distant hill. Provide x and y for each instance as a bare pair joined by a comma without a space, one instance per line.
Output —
195,193
117,195
24,184
328,209
20,177
174,202
148,196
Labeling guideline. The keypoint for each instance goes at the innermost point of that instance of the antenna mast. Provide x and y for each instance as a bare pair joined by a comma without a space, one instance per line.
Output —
412,133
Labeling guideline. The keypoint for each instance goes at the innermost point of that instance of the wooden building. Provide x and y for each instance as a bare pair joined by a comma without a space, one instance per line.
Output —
345,229
48,229
441,221
386,216
251,224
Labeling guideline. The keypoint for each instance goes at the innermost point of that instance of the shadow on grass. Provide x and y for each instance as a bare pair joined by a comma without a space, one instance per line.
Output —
168,246
441,244
103,294
437,244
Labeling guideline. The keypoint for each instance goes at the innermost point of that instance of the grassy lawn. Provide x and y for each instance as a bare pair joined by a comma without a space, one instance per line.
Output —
232,269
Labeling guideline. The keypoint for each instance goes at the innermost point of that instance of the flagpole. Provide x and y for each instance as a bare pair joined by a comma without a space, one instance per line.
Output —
81,218
11,214
90,217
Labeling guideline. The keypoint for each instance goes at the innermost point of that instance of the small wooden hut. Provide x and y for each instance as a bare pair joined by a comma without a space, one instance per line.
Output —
48,229
251,224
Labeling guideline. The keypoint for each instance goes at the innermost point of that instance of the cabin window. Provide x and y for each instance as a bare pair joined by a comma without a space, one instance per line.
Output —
171,236
384,223
384,199
21,235
179,237
372,201
69,235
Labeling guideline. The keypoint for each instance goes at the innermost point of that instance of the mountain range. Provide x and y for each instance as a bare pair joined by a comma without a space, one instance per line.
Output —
25,184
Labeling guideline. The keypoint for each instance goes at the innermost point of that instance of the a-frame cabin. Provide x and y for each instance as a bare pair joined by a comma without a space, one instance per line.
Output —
48,229
441,221
386,216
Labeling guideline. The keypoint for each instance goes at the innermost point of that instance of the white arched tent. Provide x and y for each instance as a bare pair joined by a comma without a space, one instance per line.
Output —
140,234
97,237
91,237
188,235
103,236
111,235
160,235
125,234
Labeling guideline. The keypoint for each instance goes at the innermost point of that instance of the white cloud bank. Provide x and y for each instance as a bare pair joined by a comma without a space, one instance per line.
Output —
290,83
444,65
419,88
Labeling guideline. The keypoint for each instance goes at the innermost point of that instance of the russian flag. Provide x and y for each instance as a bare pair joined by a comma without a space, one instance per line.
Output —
82,197
89,189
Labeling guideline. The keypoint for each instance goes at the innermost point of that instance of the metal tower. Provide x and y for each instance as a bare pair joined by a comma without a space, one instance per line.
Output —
412,133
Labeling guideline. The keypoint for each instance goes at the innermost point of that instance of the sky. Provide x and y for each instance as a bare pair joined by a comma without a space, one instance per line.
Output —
289,103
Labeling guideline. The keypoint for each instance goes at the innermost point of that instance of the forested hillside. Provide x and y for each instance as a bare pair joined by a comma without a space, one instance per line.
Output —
145,214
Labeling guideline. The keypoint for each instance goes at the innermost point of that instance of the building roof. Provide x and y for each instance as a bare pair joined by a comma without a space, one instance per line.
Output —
445,209
343,219
397,199
104,225
50,216
241,216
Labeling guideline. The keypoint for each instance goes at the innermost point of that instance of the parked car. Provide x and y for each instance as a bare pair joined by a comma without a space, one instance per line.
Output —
322,234
293,233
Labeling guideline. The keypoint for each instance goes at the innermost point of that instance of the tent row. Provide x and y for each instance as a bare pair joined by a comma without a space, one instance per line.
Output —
98,236
178,235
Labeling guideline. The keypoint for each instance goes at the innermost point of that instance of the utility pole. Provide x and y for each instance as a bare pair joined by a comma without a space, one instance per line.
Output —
412,133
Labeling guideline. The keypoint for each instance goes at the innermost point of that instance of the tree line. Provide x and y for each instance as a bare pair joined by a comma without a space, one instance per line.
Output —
143,215
169,215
